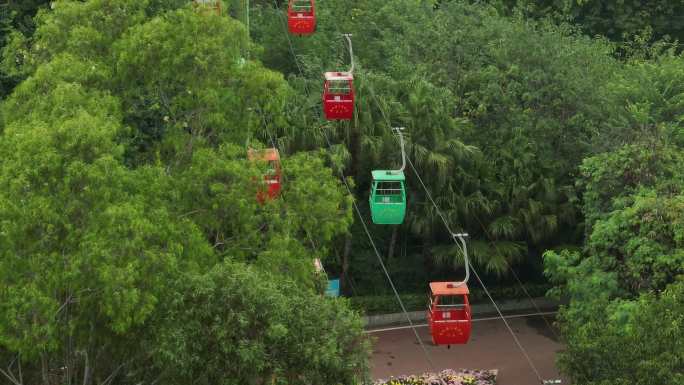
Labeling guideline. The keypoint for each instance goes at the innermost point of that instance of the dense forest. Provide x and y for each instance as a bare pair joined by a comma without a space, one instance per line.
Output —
133,250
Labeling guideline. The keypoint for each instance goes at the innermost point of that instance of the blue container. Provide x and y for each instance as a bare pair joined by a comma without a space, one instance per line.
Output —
333,288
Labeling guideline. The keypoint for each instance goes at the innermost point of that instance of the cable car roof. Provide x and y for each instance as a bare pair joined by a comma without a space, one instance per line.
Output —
388,175
266,154
449,288
318,265
339,76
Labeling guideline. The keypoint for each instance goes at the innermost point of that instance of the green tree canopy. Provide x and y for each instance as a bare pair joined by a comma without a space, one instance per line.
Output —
103,227
617,19
633,253
235,326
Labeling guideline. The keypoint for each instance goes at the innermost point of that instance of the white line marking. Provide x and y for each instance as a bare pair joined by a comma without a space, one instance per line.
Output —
474,320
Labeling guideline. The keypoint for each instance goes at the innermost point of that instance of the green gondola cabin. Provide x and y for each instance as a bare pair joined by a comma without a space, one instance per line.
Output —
388,197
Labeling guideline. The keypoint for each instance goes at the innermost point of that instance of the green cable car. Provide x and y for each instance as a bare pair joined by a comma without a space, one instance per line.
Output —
388,197
388,192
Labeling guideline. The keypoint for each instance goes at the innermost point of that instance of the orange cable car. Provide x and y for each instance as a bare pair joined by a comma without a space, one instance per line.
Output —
301,17
449,315
273,176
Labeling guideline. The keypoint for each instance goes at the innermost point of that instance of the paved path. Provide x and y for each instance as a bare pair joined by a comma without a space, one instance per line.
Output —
396,352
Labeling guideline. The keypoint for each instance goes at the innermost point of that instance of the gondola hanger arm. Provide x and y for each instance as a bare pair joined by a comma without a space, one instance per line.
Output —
398,130
351,51
460,237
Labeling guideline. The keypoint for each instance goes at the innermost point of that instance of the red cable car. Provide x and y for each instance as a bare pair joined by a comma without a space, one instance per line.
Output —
301,17
338,96
449,314
272,178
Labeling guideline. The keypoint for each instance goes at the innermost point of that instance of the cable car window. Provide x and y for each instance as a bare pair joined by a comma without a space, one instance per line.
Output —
389,188
272,167
339,87
389,192
301,5
213,4
451,301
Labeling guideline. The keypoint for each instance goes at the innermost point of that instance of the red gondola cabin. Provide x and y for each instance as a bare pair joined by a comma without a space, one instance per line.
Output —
449,314
301,17
338,96
272,178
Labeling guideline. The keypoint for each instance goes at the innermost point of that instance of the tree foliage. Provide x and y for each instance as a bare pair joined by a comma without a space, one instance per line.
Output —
619,20
111,208
132,247
625,286
233,326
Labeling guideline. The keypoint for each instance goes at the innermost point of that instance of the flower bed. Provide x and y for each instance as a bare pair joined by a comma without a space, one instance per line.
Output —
446,377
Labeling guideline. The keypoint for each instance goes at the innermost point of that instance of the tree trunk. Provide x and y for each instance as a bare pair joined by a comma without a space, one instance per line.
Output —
87,366
428,261
86,369
44,368
393,242
344,284
354,150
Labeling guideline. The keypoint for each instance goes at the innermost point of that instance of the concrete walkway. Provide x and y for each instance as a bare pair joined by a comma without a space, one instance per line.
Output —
491,346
